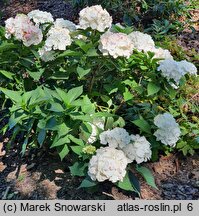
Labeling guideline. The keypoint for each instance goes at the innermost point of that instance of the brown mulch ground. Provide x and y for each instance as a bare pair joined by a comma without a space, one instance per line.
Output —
43,176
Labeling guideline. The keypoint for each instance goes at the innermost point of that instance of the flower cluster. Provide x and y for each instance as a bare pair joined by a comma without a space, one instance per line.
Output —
141,41
23,30
58,39
168,130
144,42
116,44
40,17
135,147
95,17
61,23
174,70
138,149
108,164
116,138
131,147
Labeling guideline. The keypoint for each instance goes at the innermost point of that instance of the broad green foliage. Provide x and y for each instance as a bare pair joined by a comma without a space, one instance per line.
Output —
55,104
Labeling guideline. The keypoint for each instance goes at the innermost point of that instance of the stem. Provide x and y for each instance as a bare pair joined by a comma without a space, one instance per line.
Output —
91,82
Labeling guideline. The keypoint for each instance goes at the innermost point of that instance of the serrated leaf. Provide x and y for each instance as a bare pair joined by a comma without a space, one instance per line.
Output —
63,151
56,107
82,72
77,150
152,88
74,93
75,140
78,169
143,125
87,106
60,142
148,176
13,95
69,53
41,136
125,184
7,74
134,182
127,95
87,182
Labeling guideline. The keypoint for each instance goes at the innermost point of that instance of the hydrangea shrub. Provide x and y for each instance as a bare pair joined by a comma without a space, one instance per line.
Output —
99,93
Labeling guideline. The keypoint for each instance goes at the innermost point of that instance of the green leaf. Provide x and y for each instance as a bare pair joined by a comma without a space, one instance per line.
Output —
13,95
148,176
7,74
143,125
77,150
82,72
125,184
152,88
63,151
36,75
75,140
135,182
71,95
87,106
62,94
41,136
78,169
56,107
87,182
92,52
60,142
69,53
127,95
74,93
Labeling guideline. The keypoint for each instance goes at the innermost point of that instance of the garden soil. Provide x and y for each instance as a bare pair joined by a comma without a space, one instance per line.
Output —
43,176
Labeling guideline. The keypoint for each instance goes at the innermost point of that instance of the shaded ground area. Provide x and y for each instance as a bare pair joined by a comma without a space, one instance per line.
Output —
58,8
44,176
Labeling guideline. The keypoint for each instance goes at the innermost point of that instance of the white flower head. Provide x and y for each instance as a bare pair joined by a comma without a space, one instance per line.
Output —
168,130
23,30
58,39
162,53
108,164
95,17
116,138
141,41
9,27
188,67
116,44
172,69
46,56
61,23
139,149
40,17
